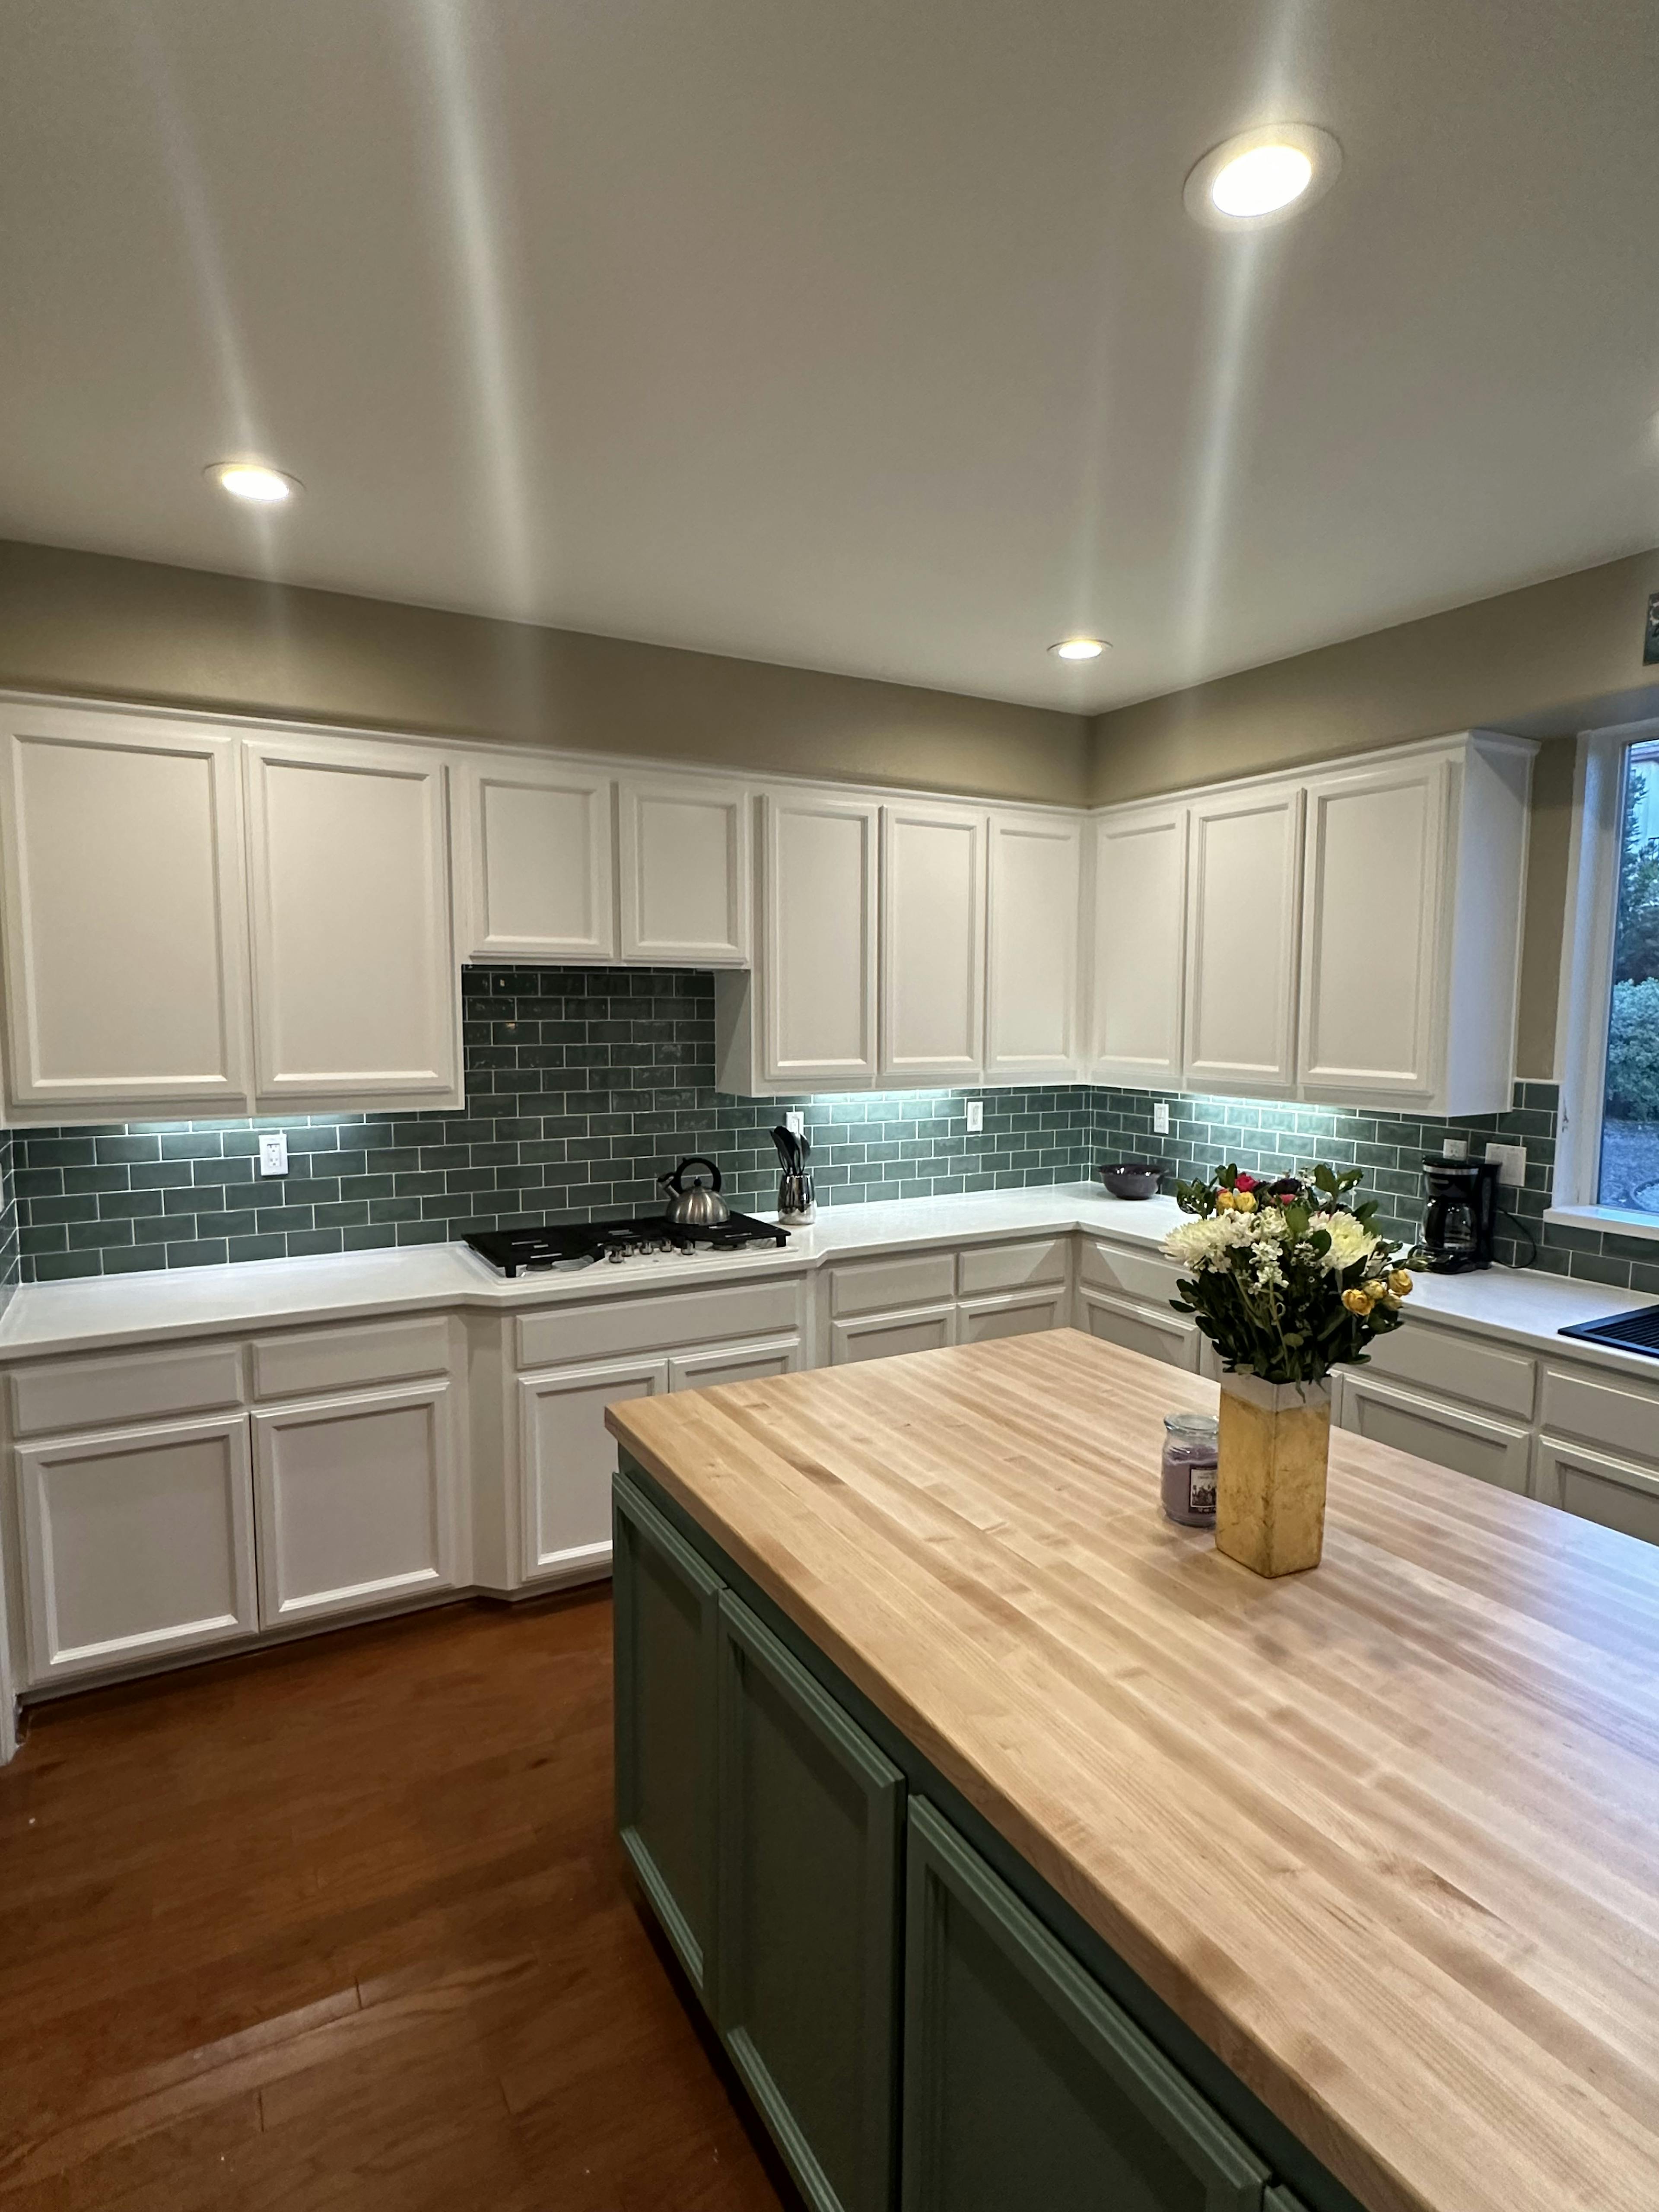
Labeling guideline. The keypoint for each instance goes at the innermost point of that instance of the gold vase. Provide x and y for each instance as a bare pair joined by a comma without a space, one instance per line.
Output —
1274,1449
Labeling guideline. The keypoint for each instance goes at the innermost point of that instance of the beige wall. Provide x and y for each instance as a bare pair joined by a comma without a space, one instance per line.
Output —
1546,661
86,623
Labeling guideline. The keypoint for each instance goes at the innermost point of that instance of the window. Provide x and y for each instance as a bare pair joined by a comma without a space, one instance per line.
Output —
1607,1167
1629,1165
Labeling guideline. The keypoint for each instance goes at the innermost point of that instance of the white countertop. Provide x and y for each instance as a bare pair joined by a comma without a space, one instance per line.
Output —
50,1317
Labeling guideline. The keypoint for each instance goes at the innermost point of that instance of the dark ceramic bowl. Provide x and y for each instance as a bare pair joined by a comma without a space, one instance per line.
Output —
1132,1178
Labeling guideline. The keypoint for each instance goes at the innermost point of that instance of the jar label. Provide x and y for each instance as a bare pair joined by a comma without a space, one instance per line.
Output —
1201,1489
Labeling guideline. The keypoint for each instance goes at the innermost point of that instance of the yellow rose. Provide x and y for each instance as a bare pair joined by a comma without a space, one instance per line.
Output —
1401,1283
1244,1201
1224,1201
1357,1302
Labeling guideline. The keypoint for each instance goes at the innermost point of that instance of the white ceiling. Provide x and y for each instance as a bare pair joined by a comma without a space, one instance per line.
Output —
867,335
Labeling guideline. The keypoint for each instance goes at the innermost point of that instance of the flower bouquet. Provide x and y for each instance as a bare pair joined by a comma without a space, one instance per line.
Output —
1288,1279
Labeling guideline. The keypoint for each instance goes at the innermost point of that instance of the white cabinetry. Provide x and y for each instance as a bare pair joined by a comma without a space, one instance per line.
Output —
355,990
567,1460
715,1363
1034,924
125,924
1459,1437
684,871
137,1543
357,1502
533,849
1140,924
1243,904
818,968
932,944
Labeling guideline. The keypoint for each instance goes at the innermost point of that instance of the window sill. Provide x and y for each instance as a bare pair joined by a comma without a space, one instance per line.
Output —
1621,1220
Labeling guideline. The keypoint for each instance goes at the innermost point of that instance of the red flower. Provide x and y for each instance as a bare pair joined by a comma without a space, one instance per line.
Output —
1245,1182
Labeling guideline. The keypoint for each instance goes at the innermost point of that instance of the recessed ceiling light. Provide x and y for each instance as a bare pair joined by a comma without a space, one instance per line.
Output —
1079,648
253,481
1261,177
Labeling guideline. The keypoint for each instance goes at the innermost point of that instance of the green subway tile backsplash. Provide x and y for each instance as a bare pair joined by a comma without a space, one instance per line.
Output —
583,1086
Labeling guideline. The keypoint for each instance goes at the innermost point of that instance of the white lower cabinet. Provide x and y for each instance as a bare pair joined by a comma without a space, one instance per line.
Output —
138,1542
568,1458
715,1363
1014,1314
880,1336
1457,1437
357,1502
1164,1335
1598,1487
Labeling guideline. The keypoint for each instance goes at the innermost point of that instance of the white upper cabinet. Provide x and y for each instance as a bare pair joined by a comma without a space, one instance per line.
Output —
933,943
1244,903
1372,929
1034,921
536,838
1140,942
125,929
356,986
685,871
818,957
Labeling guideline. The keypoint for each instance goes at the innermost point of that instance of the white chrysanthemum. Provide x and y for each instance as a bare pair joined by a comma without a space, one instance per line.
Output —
1210,1241
1351,1241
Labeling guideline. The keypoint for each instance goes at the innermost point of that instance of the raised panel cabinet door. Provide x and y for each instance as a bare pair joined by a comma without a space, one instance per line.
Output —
1025,2083
568,1458
535,848
137,1542
686,869
734,1362
666,1628
933,943
885,1336
1033,921
1156,1332
1139,941
1243,904
1449,1435
818,953
1014,1314
357,1501
1372,994
1616,1492
126,924
805,1994
356,995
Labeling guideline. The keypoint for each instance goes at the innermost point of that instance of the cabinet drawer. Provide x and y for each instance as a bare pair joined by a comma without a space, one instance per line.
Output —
1448,1436
922,1279
1621,1415
979,1319
617,1326
887,1336
1462,1366
986,1267
319,1360
1154,1331
1136,1274
1597,1487
95,1394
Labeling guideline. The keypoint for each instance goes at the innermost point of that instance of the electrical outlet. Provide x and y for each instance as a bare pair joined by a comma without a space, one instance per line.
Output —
1160,1119
273,1153
975,1116
1454,1148
1512,1163
795,1121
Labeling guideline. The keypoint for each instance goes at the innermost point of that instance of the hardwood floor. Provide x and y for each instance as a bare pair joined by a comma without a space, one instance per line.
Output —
345,1925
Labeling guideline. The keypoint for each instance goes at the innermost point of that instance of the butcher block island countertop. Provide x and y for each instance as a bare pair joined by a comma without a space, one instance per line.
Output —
1384,1836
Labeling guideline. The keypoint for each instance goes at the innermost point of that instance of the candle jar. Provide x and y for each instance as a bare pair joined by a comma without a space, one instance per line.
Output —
1189,1468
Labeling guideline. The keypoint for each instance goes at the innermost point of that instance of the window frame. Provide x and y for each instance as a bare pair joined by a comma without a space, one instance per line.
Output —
1584,1004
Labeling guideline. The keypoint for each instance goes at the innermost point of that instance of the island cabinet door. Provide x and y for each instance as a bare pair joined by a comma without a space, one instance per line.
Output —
1025,2083
807,1991
666,1626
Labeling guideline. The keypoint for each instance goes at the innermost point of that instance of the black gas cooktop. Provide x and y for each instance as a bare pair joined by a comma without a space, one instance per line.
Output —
583,1243
1627,1332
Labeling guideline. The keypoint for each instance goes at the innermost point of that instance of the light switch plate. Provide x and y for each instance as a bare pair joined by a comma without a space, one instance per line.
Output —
1512,1163
1160,1119
795,1121
975,1116
273,1153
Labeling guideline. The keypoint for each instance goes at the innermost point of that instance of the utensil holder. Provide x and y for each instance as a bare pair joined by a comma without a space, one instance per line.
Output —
796,1202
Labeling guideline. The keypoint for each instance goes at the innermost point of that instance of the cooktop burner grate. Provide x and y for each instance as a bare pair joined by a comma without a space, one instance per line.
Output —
1627,1332
584,1244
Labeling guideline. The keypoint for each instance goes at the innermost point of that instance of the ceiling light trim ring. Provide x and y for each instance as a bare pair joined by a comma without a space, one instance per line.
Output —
281,487
1321,151
1079,648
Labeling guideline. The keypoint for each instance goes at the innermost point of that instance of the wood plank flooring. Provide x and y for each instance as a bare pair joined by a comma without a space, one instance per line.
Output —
345,1925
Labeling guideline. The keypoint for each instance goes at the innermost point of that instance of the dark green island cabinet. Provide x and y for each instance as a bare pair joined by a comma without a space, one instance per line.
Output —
912,2028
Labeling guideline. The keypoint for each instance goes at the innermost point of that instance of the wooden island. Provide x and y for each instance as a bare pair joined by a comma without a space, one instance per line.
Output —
1027,1852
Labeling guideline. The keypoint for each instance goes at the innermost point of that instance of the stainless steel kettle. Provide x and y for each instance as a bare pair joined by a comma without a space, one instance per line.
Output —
696,1205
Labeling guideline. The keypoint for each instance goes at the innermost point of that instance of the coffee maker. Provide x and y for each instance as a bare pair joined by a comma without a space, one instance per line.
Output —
1460,1217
